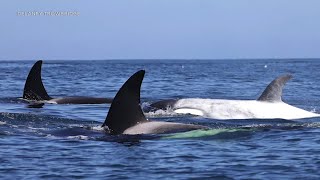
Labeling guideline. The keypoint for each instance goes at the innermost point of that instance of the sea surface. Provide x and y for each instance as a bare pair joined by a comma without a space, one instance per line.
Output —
66,141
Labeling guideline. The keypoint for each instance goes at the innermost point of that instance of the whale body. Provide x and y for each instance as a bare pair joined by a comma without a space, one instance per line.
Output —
240,109
125,115
268,106
35,93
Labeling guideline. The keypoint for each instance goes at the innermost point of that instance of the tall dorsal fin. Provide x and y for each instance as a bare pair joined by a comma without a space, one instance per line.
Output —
273,92
33,88
125,110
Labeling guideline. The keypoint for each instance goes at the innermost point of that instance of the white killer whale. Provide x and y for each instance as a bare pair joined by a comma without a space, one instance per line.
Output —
35,93
268,106
125,115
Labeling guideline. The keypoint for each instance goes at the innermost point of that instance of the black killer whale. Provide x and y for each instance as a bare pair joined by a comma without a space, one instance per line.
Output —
35,92
268,106
125,115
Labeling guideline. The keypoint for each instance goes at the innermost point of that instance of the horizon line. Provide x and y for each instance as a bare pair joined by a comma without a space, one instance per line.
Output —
163,59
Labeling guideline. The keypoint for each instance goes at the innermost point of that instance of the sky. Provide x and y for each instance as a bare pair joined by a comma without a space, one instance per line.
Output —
160,29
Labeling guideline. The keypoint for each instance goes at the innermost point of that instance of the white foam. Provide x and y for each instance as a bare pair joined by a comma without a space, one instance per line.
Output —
82,137
161,113
97,128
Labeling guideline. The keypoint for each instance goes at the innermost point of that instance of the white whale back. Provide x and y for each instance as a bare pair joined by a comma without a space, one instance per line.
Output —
240,109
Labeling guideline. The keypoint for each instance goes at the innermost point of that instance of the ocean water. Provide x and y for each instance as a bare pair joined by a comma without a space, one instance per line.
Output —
65,141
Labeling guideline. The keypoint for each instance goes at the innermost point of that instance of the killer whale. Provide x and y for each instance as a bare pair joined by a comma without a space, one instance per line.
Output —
125,115
268,106
35,92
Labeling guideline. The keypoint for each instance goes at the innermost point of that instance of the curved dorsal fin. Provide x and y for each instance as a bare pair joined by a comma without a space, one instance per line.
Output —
273,92
33,88
125,110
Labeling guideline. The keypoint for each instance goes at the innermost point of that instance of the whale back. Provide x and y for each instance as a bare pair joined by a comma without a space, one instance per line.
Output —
125,110
33,88
273,92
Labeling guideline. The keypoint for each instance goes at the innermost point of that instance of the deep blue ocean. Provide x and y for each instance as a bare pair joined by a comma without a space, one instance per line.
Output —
62,141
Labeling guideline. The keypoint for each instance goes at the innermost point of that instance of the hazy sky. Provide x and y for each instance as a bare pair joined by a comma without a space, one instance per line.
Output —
174,29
